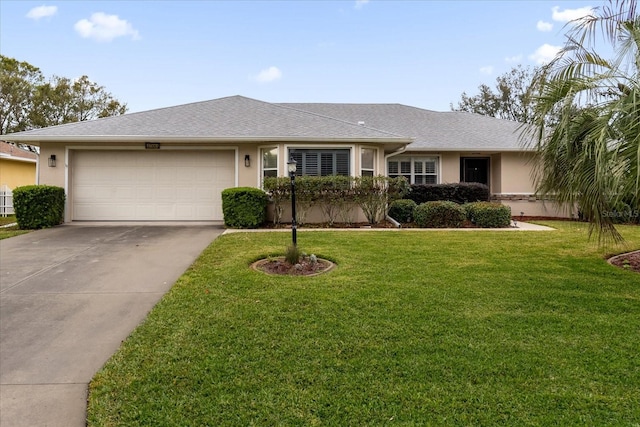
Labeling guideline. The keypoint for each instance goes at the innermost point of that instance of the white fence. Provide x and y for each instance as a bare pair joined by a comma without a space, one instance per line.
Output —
6,201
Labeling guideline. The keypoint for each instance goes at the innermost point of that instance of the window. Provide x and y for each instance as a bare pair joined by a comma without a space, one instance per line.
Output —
269,162
417,170
321,162
367,161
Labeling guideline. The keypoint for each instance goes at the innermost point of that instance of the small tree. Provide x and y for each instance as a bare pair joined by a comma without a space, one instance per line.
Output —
335,191
374,193
279,190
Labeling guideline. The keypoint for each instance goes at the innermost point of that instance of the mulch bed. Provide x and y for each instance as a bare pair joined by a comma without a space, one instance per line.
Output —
278,266
630,261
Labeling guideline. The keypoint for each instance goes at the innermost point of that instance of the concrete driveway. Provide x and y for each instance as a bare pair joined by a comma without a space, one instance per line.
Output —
68,297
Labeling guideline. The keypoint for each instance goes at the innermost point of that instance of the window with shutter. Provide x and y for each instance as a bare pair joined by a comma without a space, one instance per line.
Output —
321,162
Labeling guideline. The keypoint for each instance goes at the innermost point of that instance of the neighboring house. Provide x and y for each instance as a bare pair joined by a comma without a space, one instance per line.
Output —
17,166
172,163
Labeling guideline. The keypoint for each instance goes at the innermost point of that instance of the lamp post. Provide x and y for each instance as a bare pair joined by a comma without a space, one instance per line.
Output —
291,167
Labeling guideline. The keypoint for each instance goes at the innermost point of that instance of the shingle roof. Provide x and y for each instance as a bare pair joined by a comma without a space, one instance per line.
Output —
232,118
238,118
10,151
431,130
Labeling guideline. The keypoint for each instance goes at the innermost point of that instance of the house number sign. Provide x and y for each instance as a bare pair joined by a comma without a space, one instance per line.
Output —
152,145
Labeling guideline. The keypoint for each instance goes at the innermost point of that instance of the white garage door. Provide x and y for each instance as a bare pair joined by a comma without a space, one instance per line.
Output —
150,185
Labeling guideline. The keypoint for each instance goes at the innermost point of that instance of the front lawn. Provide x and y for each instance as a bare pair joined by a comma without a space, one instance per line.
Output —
6,232
412,328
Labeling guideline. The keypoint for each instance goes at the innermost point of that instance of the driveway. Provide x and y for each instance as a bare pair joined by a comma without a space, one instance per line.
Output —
68,297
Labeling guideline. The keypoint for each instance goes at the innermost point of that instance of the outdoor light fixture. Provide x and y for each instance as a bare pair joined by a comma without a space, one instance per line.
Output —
291,167
52,161
247,161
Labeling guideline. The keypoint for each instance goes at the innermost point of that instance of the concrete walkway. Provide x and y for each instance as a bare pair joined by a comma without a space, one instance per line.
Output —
68,297
520,226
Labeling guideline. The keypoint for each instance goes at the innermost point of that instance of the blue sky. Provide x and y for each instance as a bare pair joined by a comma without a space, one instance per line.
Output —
154,54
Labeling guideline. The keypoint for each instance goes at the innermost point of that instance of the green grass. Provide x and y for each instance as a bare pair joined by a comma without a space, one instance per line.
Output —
412,328
5,220
7,232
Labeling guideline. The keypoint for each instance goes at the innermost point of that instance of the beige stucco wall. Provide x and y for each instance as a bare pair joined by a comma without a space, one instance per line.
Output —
16,173
247,176
52,175
541,208
250,176
516,173
495,178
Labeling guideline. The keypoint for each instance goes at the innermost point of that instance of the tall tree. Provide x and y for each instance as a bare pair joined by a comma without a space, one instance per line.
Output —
511,99
62,100
590,156
27,101
18,81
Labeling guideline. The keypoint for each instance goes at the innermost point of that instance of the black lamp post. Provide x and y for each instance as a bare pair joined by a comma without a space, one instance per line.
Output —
291,167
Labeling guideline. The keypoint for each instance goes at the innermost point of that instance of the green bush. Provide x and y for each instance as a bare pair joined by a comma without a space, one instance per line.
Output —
244,207
279,191
461,192
488,215
38,206
402,210
374,193
439,214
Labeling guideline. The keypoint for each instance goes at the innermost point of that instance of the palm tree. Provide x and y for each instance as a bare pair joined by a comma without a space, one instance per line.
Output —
587,119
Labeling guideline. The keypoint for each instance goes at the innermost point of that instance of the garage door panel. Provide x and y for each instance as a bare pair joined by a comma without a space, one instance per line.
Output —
150,185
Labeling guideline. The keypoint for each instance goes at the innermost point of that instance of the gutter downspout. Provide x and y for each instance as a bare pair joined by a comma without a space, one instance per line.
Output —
386,173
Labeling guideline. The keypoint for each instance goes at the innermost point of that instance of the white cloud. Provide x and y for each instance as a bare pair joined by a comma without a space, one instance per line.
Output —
104,28
570,14
544,54
268,75
544,26
514,58
488,69
360,3
42,12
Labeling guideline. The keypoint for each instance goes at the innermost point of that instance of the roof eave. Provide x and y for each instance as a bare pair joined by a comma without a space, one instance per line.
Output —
474,149
35,140
18,159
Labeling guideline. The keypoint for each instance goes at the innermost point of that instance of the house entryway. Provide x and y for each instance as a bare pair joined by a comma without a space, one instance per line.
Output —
474,169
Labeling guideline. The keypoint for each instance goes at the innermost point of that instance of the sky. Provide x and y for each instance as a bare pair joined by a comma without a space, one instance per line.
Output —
156,54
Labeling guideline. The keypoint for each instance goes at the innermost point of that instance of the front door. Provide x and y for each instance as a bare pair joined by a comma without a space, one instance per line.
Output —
474,169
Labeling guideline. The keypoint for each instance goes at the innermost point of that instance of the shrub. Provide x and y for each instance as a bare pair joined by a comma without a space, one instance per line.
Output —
462,192
624,213
439,214
244,207
279,190
402,210
374,193
292,254
38,206
488,215
334,195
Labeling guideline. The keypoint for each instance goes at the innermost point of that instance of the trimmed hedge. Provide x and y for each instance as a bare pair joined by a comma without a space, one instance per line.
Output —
38,206
402,210
244,207
462,192
488,215
439,214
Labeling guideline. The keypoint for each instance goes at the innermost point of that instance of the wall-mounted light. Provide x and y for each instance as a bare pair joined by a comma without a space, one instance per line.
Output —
247,161
52,161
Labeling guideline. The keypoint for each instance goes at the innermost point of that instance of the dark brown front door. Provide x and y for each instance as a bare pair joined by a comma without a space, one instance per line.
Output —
474,169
